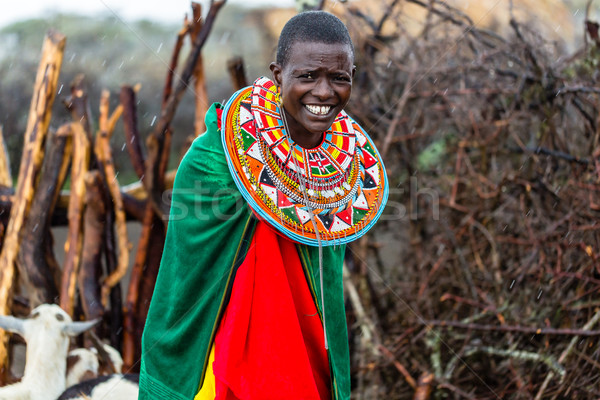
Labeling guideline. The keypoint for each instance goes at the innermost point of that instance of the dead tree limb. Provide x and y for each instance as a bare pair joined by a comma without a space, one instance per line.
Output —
134,207
79,168
129,318
104,156
148,281
513,328
399,108
36,261
78,105
401,368
40,112
132,135
168,88
91,260
157,139
5,175
235,66
201,95
593,321
143,274
423,391
116,298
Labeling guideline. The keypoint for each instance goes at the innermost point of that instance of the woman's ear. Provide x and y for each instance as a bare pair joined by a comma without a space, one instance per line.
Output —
276,70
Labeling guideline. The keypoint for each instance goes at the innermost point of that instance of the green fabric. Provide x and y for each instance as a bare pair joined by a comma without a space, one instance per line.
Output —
205,234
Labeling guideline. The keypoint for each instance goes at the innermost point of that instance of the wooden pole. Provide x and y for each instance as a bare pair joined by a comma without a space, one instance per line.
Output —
129,318
91,259
132,135
104,156
78,106
5,175
79,168
201,95
37,126
156,140
36,270
235,66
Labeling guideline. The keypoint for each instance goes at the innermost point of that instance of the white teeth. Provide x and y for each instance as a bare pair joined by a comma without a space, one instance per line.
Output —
319,110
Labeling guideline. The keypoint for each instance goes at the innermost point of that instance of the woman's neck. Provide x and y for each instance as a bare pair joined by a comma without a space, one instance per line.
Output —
299,134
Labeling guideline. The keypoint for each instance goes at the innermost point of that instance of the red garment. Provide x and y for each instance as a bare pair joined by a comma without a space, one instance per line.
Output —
270,342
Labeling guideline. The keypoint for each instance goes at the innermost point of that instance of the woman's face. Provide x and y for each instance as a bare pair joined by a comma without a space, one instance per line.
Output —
315,85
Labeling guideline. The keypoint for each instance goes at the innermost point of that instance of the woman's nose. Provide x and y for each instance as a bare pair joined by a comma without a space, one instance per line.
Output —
322,89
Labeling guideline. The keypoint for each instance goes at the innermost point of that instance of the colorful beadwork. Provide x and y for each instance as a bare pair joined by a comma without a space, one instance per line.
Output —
342,180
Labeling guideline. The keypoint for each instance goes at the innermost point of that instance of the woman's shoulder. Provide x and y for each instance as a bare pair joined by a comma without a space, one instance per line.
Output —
205,157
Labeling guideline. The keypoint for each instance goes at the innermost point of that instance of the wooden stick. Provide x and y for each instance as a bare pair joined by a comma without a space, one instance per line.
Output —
148,281
91,264
423,391
156,140
132,135
37,275
369,332
143,274
168,88
40,112
116,301
79,168
129,319
77,104
151,238
511,328
5,175
401,368
201,95
548,360
104,156
134,207
399,108
593,321
235,66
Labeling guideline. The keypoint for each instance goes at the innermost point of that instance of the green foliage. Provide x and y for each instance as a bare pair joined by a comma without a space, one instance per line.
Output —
435,153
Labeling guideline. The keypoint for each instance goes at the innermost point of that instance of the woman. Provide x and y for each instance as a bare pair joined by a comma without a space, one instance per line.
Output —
249,298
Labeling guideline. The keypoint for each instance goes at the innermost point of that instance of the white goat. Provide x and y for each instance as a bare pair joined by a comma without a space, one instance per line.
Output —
85,364
115,358
113,387
46,331
82,364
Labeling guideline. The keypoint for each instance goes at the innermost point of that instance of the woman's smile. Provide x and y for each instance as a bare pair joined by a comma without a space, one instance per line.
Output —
318,110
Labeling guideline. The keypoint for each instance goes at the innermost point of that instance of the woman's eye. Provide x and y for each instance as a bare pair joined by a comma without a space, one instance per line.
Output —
308,75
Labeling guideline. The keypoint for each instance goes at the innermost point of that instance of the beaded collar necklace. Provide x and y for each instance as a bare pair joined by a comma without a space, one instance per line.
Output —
342,181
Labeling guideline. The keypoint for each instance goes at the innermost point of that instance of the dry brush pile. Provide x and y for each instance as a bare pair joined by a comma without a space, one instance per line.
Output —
483,279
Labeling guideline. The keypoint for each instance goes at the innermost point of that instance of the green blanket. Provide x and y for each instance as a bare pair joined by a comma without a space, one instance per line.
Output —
209,230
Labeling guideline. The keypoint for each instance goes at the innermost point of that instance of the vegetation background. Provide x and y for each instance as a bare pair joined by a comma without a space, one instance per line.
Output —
482,279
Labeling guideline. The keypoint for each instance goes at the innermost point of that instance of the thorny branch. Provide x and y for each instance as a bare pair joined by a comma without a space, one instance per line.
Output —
491,233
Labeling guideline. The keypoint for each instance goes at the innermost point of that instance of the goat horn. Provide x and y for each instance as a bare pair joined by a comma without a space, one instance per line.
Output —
75,328
12,324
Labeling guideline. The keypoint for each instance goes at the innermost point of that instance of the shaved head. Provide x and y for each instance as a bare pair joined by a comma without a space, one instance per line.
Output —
312,26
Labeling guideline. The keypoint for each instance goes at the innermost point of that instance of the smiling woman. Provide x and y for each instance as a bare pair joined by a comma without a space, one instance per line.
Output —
249,300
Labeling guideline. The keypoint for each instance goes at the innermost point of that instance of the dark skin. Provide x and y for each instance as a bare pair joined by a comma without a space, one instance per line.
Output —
315,85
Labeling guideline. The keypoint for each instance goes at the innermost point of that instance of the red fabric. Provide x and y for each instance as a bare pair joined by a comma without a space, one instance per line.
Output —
270,342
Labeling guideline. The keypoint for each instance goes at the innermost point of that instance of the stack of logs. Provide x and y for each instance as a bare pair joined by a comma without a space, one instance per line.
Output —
96,208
